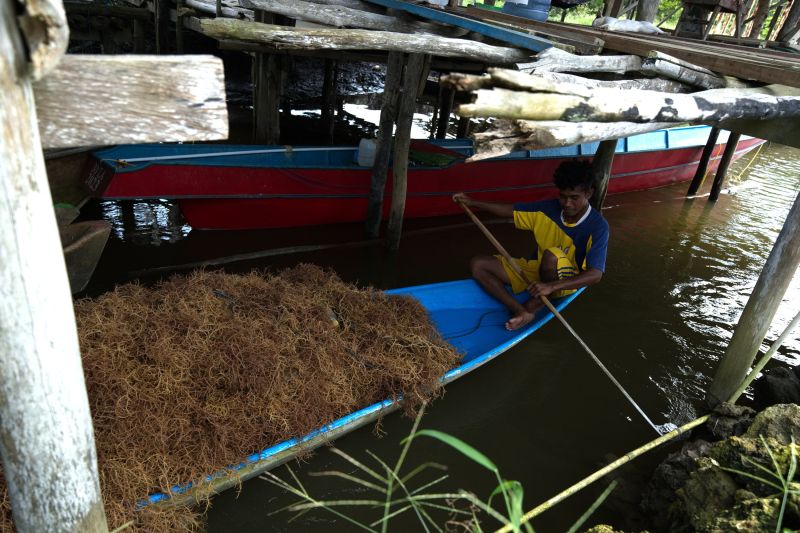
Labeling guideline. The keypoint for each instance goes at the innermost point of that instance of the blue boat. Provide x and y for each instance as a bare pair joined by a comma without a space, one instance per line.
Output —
466,316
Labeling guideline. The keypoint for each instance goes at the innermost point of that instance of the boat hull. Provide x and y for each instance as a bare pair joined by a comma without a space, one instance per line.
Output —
249,195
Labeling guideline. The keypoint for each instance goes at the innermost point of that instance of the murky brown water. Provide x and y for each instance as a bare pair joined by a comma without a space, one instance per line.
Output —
679,274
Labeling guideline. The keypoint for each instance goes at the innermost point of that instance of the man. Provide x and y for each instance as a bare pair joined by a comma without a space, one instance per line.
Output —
571,240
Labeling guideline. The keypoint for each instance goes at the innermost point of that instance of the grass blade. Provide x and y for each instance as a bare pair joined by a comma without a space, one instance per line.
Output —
597,503
459,445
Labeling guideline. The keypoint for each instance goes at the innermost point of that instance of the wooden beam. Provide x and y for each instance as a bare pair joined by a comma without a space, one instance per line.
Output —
555,60
164,98
339,39
380,168
511,37
46,437
402,141
760,309
724,163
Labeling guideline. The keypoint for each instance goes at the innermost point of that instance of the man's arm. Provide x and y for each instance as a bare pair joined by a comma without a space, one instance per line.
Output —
588,277
495,208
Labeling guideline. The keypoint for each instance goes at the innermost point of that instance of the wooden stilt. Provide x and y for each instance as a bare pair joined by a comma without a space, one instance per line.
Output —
448,96
601,166
179,26
138,36
46,436
266,93
329,90
757,316
702,166
405,112
722,169
435,115
463,127
162,26
380,168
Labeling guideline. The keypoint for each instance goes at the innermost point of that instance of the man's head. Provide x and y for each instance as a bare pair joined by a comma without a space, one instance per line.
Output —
575,185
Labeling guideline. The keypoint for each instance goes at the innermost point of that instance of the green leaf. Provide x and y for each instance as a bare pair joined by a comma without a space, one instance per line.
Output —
459,445
599,501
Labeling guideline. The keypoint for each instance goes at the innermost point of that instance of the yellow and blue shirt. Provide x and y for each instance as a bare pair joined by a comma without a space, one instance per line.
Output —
585,243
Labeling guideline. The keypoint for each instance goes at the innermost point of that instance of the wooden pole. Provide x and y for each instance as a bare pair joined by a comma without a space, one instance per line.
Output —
601,168
647,10
402,141
46,435
380,168
329,90
266,93
722,169
179,26
702,166
161,18
448,97
757,316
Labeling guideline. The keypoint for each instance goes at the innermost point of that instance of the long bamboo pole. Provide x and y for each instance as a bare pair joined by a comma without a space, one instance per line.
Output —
555,312
585,482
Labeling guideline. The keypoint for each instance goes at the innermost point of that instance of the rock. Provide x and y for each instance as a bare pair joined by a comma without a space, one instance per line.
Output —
708,492
780,422
669,476
779,385
729,420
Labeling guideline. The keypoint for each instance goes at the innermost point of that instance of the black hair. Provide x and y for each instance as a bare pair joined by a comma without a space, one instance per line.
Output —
573,174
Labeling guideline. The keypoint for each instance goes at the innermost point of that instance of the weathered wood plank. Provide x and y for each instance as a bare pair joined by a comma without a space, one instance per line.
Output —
46,437
336,39
660,64
210,7
163,98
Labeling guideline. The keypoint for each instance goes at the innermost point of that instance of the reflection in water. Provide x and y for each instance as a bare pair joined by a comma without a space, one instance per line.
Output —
145,222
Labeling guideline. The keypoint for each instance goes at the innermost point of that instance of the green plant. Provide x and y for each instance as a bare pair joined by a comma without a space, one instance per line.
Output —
785,484
396,495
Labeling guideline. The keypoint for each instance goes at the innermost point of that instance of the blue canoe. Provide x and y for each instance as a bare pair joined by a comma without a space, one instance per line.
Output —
468,318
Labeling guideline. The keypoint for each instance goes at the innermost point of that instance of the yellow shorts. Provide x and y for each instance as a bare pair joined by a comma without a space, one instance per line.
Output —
566,269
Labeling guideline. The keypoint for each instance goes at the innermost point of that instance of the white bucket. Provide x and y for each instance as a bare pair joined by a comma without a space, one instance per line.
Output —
366,152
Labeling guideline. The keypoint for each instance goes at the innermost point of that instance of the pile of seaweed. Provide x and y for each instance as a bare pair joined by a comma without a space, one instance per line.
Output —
189,376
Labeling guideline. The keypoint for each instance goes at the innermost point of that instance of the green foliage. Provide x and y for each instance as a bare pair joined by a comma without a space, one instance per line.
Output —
783,483
395,494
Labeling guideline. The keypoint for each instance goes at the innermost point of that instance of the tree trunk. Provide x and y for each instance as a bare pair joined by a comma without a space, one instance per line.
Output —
762,10
789,28
46,436
647,10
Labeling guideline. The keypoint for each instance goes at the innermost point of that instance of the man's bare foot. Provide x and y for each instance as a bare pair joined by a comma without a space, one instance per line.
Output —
519,321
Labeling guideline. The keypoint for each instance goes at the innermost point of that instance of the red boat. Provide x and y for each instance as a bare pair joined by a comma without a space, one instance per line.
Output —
240,187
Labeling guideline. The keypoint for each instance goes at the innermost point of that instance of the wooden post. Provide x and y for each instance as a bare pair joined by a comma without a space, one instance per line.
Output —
612,8
46,436
380,168
702,166
757,316
329,90
722,169
601,168
267,80
448,97
762,10
464,125
179,26
161,18
402,141
138,36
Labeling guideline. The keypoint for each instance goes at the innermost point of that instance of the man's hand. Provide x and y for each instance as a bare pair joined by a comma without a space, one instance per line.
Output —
462,198
537,289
